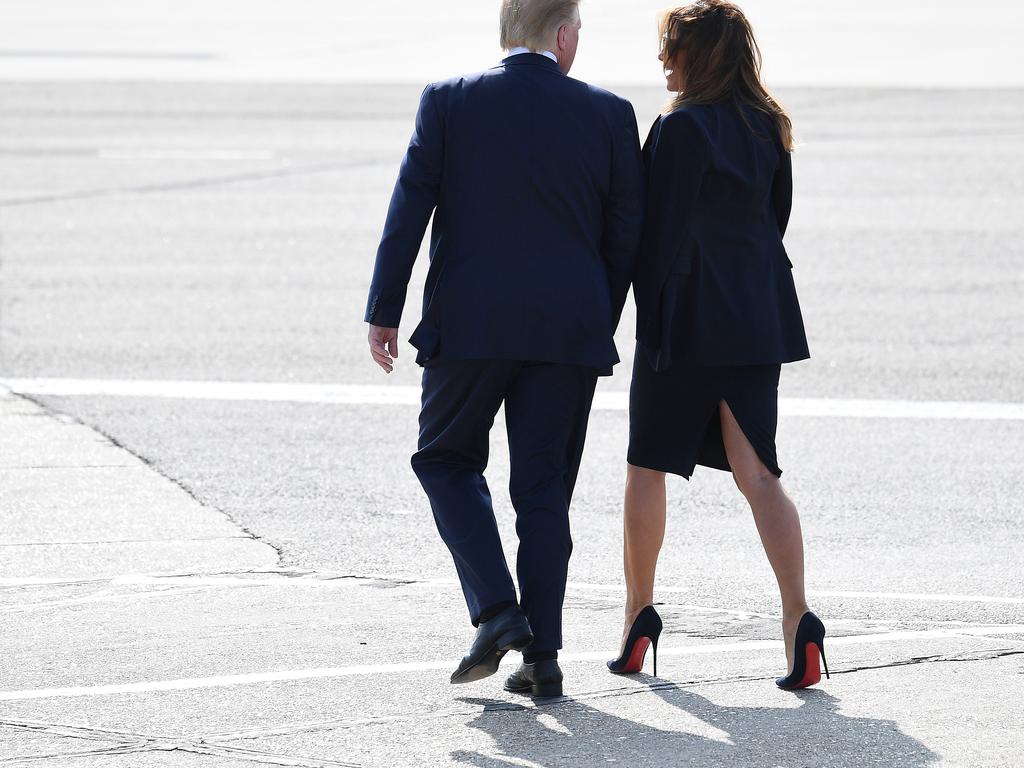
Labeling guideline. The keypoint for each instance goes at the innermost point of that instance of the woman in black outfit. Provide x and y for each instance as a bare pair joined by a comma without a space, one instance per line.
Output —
717,315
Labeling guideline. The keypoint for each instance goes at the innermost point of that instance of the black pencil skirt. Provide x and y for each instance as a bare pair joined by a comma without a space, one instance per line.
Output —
674,419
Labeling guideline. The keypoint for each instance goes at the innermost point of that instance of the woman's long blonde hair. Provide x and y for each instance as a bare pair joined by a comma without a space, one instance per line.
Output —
722,60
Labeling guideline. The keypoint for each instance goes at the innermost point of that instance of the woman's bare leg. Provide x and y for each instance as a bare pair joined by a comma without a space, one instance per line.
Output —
777,520
644,532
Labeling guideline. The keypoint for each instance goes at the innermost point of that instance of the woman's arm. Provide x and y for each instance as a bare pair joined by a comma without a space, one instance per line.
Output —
782,191
678,160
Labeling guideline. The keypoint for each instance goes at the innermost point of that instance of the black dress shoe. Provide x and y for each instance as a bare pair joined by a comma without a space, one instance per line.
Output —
542,679
508,631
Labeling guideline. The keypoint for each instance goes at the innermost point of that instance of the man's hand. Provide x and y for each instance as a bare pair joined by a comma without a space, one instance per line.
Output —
384,346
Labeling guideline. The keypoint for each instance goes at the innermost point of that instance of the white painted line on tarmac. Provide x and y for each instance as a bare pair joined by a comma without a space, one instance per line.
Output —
448,665
222,682
33,581
351,394
917,597
185,154
901,409
327,394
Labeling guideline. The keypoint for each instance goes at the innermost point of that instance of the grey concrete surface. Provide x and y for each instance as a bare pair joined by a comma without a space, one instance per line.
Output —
917,503
905,234
706,709
74,498
184,547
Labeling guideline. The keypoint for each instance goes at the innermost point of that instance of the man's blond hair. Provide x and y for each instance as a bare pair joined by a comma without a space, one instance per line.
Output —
533,24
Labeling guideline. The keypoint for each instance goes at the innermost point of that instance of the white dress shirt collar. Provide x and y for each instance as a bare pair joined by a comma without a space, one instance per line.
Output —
522,49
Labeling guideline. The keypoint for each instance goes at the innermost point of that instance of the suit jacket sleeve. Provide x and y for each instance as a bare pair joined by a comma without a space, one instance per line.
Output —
412,204
782,191
623,220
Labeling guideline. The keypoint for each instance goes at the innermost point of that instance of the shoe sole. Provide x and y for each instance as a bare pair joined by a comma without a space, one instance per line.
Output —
491,660
541,691
635,663
812,671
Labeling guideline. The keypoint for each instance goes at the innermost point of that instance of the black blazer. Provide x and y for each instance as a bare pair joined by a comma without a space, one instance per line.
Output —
537,181
713,270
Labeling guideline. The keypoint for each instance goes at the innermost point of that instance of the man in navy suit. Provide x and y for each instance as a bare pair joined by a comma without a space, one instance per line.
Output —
535,183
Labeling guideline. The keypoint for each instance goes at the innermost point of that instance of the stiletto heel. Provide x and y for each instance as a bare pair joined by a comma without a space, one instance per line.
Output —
821,650
808,646
643,634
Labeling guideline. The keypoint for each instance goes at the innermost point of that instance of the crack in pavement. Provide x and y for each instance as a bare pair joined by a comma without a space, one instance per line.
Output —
107,596
593,597
120,749
606,693
214,744
950,658
70,731
169,575
116,541
174,186
134,743
284,572
270,758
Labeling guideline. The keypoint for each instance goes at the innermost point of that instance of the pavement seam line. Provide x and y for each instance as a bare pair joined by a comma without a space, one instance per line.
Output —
126,742
951,658
187,184
118,541
620,691
298,675
302,574
57,415
214,744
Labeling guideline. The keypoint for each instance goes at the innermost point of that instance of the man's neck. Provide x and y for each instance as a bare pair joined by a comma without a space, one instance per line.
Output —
522,49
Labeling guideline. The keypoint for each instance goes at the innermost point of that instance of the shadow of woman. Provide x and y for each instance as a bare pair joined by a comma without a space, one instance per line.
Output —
569,732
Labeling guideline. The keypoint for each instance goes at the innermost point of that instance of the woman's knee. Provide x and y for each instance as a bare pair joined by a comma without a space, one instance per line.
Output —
757,482
642,476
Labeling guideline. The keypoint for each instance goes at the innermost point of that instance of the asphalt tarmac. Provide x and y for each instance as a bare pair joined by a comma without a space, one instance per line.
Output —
226,233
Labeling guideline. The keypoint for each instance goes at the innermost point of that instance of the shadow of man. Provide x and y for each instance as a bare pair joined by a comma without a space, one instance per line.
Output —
569,732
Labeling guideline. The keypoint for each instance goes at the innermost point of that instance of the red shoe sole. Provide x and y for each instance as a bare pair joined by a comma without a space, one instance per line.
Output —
812,669
636,659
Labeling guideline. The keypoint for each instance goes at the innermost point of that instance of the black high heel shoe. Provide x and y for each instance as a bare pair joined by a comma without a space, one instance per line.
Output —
810,642
643,634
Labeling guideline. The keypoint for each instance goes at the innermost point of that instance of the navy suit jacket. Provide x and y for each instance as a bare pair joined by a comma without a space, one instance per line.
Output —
535,181
715,285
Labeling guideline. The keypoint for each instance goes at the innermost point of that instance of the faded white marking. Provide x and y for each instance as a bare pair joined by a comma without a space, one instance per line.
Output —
448,665
917,596
185,154
352,394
